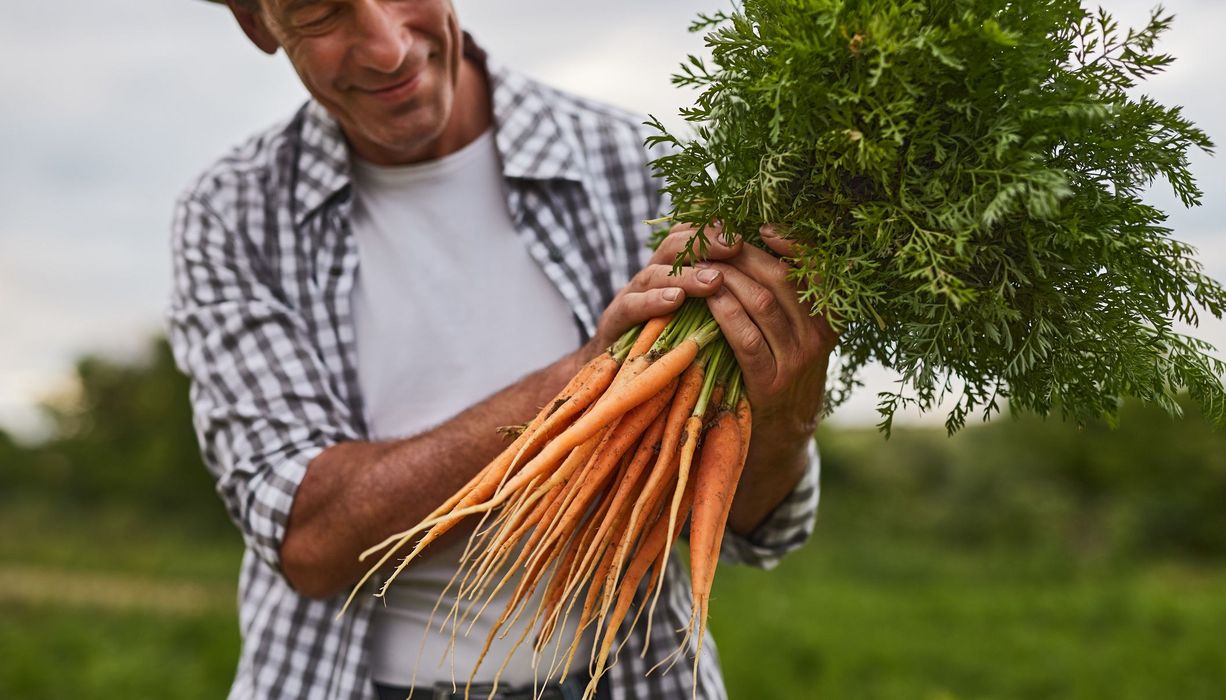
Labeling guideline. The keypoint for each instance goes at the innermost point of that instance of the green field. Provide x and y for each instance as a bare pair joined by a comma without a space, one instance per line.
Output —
908,623
105,608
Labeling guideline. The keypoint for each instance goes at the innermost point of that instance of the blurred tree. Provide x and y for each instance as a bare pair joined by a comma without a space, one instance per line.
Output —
125,438
1153,487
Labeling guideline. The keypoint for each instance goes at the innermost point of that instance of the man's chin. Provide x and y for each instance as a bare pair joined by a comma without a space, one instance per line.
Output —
398,146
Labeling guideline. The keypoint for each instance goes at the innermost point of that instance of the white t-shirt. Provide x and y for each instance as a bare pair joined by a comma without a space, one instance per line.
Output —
449,307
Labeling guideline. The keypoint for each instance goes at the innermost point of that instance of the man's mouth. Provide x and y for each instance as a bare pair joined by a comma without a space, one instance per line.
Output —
396,91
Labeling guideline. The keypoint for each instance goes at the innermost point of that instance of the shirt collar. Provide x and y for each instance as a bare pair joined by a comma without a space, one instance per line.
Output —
323,161
529,139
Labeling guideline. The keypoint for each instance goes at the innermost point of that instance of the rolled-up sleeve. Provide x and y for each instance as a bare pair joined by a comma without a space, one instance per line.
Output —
787,527
262,404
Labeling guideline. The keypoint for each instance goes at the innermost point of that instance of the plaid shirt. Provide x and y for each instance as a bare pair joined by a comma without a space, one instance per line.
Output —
260,320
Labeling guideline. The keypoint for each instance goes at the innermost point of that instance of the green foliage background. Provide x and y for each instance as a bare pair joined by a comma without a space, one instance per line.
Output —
1021,559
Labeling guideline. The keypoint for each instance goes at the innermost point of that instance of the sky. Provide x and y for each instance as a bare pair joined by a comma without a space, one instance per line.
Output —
108,109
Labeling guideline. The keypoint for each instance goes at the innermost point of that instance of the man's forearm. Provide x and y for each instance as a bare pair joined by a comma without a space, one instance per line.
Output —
771,472
355,494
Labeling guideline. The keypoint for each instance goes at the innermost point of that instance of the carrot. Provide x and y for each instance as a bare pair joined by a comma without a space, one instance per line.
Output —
600,469
603,369
648,336
578,393
551,466
644,557
744,421
522,518
487,477
599,580
683,405
624,398
616,401
615,507
594,478
719,470
558,497
628,485
693,429
552,593
556,591
488,565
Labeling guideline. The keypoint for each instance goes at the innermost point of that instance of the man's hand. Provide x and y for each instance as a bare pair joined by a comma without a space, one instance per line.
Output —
655,291
783,352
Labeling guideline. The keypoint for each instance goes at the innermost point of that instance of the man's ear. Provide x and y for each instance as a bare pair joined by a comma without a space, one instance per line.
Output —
252,22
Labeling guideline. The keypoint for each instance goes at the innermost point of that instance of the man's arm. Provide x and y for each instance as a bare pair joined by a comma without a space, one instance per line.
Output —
356,493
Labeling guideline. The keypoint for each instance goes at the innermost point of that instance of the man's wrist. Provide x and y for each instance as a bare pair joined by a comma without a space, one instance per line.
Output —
772,471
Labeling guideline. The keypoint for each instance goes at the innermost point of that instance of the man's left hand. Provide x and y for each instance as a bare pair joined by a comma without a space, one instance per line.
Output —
783,351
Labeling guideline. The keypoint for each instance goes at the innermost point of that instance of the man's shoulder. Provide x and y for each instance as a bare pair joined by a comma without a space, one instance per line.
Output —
591,123
250,171
586,112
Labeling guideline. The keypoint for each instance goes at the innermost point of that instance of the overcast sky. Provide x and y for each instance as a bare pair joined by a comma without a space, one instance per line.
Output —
109,108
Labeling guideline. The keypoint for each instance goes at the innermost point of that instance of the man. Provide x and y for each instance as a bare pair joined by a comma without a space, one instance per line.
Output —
364,293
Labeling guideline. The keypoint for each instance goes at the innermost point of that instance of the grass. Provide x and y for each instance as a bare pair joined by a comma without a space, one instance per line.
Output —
114,606
947,629
54,651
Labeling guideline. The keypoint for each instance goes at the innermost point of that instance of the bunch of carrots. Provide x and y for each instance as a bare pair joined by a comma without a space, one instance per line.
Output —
587,501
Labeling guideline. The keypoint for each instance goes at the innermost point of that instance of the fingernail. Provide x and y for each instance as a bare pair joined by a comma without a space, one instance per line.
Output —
671,294
708,276
768,231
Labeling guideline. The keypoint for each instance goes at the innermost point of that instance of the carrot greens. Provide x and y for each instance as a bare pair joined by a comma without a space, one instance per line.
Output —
964,179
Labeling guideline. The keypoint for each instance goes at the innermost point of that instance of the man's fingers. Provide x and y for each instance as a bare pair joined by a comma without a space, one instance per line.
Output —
776,239
680,236
752,350
766,306
695,282
632,308
770,272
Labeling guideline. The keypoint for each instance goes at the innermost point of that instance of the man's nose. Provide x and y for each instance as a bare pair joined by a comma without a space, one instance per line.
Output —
383,40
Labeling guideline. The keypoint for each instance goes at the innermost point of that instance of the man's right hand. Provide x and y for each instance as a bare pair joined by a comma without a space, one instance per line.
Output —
655,291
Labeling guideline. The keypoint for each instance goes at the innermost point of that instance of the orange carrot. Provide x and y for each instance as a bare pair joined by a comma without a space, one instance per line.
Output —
595,376
603,369
664,468
558,498
556,590
616,401
599,471
628,486
719,470
693,429
523,518
744,421
615,508
646,554
648,336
